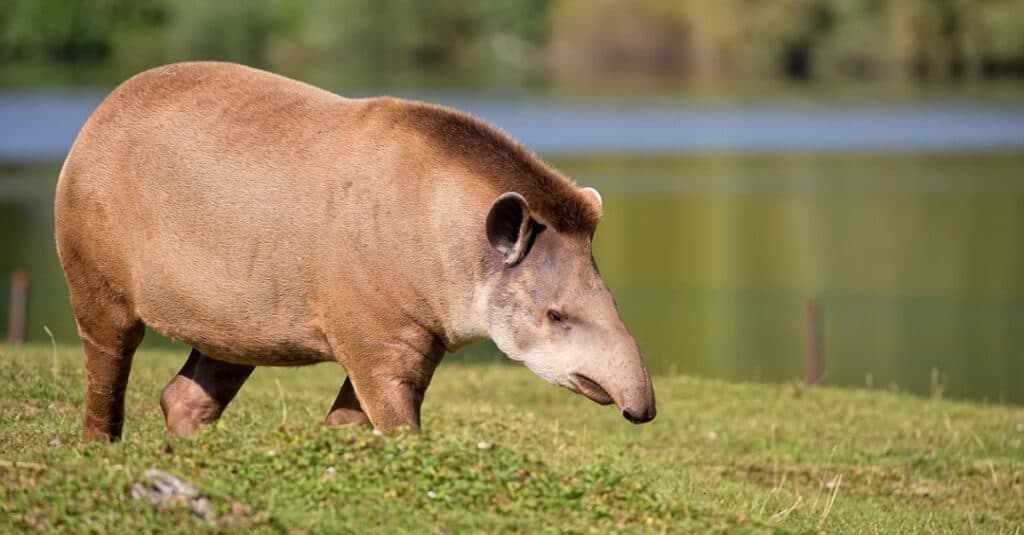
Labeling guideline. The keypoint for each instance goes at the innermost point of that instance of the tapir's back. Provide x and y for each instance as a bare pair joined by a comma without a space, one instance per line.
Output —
201,191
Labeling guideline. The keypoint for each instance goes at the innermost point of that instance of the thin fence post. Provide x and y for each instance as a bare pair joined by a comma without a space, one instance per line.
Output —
813,364
17,313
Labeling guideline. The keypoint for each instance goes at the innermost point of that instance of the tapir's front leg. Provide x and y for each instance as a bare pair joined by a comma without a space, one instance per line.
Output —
346,409
390,383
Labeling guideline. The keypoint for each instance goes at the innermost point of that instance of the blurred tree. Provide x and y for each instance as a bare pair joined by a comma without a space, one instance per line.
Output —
60,31
245,31
792,38
511,40
426,35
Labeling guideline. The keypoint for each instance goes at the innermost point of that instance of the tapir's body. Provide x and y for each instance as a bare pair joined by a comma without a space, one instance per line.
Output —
267,222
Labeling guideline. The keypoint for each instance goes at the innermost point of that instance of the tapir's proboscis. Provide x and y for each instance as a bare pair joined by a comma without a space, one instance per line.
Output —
266,222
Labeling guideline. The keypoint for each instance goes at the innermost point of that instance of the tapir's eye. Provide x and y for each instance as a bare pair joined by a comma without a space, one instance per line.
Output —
555,316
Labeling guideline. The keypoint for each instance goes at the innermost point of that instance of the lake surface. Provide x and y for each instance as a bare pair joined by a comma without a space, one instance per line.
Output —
40,126
914,253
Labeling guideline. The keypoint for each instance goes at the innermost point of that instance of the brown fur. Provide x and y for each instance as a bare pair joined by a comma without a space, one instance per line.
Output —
263,221
506,164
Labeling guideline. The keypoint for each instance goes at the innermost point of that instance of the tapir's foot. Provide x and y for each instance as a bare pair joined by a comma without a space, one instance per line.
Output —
346,409
391,403
198,395
387,385
346,417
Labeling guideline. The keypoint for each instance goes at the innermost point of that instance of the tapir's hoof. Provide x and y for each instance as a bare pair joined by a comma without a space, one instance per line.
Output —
346,417
91,434
182,422
185,416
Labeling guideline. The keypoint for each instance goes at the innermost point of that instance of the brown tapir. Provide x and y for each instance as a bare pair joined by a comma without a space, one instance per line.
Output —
266,222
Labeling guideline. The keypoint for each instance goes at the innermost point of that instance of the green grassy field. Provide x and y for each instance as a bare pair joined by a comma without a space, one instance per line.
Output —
720,456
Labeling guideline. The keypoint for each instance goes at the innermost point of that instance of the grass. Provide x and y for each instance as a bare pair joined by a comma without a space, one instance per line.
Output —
720,457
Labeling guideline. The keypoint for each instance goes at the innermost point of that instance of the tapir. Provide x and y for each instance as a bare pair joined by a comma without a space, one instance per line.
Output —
266,222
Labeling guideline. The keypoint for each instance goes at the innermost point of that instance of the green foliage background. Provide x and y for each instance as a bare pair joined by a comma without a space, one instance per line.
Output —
523,41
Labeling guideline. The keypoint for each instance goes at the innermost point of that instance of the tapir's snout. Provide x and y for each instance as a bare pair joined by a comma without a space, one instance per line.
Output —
629,387
642,417
638,404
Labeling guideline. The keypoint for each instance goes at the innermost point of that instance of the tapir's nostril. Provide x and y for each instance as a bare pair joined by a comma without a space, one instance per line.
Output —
638,417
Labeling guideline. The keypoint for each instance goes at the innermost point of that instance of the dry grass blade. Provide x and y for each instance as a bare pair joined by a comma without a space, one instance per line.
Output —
992,469
781,515
284,406
831,498
22,464
55,369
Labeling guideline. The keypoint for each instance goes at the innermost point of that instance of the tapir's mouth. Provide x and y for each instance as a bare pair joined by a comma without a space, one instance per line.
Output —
589,388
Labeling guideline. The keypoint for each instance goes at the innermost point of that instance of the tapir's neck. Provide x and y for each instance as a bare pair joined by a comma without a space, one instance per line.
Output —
466,320
457,282
464,327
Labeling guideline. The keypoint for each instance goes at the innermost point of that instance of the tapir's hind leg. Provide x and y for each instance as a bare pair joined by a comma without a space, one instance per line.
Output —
200,392
110,338
110,332
346,409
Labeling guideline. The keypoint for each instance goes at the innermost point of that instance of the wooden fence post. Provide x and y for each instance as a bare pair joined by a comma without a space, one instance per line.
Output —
813,364
17,313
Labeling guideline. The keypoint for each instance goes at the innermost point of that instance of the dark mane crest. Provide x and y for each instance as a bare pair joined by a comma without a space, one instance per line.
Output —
508,165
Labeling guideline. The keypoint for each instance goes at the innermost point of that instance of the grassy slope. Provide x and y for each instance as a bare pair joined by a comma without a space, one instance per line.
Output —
721,456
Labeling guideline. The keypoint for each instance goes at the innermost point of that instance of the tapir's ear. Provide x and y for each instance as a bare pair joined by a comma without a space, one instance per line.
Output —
510,229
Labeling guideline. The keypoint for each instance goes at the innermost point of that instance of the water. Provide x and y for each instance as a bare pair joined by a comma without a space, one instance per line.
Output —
916,261
915,255
40,126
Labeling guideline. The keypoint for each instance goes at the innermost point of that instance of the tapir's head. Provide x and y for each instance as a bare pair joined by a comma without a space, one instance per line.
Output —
547,307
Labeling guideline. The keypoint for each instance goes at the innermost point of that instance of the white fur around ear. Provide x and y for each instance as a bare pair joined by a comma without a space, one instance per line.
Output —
595,194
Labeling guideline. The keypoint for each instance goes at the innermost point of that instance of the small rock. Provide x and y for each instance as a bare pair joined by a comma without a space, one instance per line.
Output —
271,453
484,446
432,495
331,470
56,443
712,435
201,508
164,490
1020,427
